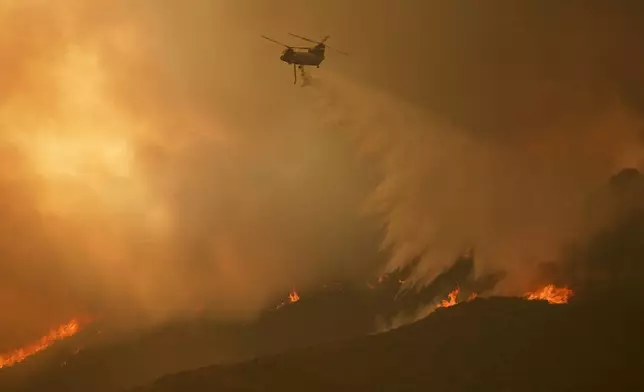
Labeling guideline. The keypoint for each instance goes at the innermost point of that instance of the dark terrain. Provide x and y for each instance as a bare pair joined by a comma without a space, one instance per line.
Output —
331,313
497,344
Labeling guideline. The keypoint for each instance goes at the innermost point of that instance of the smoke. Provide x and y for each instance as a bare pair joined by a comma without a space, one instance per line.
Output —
150,168
156,156
607,264
514,115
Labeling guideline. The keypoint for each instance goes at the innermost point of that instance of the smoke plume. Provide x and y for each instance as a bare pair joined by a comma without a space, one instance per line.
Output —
149,168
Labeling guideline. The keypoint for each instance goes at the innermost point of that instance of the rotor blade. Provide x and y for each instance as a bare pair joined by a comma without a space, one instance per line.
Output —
304,38
277,42
337,50
320,42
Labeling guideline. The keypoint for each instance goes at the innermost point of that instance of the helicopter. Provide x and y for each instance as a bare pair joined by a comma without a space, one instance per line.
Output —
301,56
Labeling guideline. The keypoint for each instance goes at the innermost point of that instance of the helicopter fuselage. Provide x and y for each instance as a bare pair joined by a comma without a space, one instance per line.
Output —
311,57
303,56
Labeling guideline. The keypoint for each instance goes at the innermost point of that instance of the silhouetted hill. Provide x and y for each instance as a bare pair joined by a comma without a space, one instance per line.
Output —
498,344
144,355
333,313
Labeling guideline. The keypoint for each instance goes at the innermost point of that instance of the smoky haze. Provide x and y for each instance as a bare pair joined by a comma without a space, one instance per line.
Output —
157,158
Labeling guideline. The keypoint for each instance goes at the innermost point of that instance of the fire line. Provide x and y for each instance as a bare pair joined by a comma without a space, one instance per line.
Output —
18,355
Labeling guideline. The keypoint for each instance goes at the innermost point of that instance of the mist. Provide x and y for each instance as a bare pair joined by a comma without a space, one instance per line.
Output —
157,158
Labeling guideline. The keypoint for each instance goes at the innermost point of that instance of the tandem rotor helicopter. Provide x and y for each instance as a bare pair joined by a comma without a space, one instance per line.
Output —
304,56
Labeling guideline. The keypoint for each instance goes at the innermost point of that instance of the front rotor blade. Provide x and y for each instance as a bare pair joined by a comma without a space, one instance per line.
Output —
304,38
277,42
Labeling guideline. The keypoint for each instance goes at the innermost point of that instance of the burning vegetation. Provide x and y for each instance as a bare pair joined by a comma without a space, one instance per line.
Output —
62,332
552,294
452,298
293,296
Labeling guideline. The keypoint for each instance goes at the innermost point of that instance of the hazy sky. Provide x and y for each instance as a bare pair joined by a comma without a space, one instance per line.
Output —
156,156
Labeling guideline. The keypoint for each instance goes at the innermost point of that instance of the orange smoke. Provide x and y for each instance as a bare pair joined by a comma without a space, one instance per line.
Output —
552,294
62,332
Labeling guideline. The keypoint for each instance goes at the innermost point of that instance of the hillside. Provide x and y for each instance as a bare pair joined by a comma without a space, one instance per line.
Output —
333,313
497,344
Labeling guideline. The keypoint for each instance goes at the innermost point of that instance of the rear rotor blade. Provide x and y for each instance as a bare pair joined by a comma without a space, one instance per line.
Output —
337,50
319,42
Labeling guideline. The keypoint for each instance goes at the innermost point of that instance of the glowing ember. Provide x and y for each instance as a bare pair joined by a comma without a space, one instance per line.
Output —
19,355
552,294
472,296
293,297
199,308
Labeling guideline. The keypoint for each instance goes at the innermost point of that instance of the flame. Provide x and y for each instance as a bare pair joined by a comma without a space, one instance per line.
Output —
62,332
293,296
451,299
552,294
